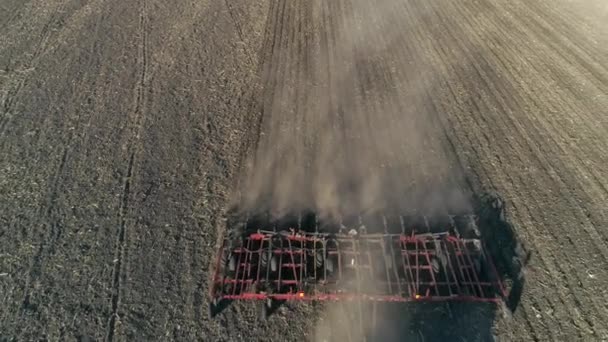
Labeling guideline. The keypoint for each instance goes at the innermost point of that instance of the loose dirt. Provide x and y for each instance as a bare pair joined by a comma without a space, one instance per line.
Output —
127,129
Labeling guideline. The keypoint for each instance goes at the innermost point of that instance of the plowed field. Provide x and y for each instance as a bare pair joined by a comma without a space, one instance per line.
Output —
128,128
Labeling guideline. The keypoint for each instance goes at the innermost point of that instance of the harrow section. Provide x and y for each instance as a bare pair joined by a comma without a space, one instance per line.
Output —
295,264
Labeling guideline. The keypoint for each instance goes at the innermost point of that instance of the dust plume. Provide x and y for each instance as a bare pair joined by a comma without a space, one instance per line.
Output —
347,127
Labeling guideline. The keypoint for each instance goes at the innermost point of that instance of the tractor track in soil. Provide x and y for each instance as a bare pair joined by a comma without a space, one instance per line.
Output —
128,128
132,151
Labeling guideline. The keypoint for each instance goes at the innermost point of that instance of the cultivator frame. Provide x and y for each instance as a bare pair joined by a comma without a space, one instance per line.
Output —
293,264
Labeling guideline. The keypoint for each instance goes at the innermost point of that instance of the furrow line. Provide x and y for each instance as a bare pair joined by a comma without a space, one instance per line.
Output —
133,142
116,274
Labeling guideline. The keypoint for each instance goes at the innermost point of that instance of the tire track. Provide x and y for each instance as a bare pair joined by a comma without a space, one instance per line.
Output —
35,269
138,116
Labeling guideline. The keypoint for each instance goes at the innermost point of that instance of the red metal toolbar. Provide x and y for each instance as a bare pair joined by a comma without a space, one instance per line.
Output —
296,265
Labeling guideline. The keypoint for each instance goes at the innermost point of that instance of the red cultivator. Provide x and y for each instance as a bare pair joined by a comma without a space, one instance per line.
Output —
295,264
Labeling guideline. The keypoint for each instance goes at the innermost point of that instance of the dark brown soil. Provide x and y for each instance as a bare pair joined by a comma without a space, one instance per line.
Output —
128,128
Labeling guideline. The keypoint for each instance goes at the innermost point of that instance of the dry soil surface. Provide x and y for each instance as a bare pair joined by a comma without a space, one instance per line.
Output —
127,128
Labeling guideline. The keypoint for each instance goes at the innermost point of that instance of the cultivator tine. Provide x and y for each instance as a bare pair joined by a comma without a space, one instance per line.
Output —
386,268
385,224
471,267
362,229
453,227
463,266
402,224
370,262
395,270
431,268
452,272
303,263
340,260
407,268
292,265
342,227
274,226
326,256
496,281
299,221
280,266
237,270
426,223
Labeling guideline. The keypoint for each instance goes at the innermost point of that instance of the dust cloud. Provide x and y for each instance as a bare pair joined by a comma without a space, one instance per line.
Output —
347,124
